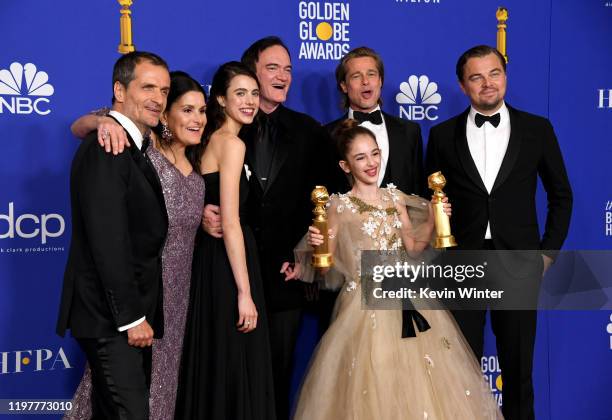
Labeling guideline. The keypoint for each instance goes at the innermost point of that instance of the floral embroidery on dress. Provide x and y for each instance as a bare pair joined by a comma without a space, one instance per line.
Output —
369,226
381,222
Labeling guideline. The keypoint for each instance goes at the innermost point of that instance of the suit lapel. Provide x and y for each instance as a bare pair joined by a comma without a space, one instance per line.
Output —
395,137
149,172
146,167
463,151
283,142
512,152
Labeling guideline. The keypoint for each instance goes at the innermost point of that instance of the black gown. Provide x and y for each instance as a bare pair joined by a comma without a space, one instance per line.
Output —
225,374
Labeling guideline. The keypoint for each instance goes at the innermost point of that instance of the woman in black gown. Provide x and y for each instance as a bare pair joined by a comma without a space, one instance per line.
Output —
226,367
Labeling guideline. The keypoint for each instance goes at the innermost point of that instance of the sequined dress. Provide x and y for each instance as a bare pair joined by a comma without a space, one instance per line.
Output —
362,369
184,197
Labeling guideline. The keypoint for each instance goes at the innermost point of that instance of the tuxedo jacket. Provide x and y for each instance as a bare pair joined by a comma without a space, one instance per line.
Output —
405,163
510,208
119,225
280,211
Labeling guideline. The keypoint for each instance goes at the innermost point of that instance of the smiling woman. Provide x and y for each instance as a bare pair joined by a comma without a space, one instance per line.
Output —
227,372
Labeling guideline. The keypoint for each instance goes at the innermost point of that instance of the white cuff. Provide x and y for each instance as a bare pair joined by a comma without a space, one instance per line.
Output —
133,324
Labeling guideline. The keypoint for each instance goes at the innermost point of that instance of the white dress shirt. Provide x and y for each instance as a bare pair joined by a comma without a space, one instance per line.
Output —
488,145
129,126
136,135
382,138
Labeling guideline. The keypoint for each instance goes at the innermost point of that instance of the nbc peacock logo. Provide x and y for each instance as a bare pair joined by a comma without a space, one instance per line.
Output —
417,99
24,90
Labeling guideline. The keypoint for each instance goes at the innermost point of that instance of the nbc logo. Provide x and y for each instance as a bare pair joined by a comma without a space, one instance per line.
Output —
418,98
26,89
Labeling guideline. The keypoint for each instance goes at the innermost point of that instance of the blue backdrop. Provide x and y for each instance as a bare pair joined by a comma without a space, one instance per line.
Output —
55,64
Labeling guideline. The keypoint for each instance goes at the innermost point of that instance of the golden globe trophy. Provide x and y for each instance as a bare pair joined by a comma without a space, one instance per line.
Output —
321,258
502,17
126,45
444,238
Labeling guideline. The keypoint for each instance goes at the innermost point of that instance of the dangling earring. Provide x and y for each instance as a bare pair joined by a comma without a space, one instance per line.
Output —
166,134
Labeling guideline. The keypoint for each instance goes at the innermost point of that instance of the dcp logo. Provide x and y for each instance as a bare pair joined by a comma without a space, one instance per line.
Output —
26,89
418,98
30,225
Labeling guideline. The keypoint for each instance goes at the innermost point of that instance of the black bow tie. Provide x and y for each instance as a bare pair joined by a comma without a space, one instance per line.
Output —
481,119
375,117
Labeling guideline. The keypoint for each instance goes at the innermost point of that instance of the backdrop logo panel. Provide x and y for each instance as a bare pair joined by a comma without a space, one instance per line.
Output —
24,90
605,98
33,360
37,229
417,99
608,216
324,30
418,1
609,330
492,375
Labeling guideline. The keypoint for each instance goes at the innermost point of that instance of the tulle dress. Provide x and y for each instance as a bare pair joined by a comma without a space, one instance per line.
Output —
362,367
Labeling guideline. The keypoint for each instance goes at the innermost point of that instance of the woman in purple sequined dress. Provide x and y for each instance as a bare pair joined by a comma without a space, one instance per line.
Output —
182,125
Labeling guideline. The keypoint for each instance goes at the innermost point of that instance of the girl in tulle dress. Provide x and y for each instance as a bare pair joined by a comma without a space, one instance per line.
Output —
362,367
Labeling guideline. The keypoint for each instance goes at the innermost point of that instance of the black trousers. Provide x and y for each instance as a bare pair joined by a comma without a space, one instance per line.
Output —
121,375
515,332
284,327
515,339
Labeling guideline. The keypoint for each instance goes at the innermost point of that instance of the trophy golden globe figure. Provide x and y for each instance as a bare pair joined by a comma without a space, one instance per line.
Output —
444,238
502,17
321,258
125,46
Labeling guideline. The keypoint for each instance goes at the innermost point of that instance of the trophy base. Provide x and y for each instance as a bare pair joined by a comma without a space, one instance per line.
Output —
445,242
322,260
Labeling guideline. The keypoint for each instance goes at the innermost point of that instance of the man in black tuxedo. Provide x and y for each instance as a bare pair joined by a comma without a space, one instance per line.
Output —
112,292
285,161
491,156
360,76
